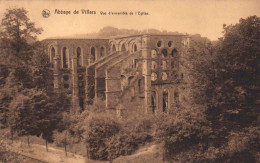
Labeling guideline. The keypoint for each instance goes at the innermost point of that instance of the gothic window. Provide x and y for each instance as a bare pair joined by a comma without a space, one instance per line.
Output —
174,53
164,65
81,103
154,65
102,52
154,76
141,85
79,56
165,100
154,53
52,53
93,53
113,48
165,53
135,48
64,55
164,76
154,101
123,48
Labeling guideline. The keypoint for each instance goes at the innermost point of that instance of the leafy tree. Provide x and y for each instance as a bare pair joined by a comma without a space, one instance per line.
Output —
237,72
63,139
22,117
16,32
223,82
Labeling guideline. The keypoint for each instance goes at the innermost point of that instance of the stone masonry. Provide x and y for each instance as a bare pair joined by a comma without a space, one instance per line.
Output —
137,68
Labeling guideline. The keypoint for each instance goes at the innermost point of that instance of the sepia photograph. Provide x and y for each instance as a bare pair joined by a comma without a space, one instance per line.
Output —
129,81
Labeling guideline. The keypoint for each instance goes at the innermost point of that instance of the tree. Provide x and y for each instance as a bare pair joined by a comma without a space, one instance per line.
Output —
63,139
224,80
17,31
22,119
234,86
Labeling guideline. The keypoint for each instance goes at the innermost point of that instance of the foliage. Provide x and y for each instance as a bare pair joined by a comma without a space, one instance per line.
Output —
6,155
100,129
63,139
222,82
16,31
21,115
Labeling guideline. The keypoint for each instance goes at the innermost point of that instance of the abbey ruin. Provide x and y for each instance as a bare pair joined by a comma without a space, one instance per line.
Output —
143,69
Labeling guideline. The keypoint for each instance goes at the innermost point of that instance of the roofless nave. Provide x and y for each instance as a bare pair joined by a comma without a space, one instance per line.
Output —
142,69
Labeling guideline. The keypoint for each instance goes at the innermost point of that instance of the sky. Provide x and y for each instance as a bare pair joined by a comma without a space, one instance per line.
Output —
204,17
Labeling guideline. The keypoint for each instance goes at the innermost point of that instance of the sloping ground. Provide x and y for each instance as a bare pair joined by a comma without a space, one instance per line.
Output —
54,155
151,153
148,154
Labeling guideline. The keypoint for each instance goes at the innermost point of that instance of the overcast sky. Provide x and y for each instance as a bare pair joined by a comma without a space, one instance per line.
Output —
205,17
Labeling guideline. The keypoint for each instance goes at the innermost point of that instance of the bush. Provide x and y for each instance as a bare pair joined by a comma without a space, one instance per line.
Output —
107,137
100,128
6,155
181,132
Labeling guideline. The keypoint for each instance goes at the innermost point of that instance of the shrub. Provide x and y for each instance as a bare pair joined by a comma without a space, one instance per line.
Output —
181,132
6,155
100,128
107,137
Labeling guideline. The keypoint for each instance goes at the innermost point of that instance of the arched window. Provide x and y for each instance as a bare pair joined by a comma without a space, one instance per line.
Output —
154,101
93,53
102,52
154,53
79,56
123,48
64,55
174,53
165,100
141,85
159,43
113,48
134,48
164,52
52,53
170,43
81,103
154,65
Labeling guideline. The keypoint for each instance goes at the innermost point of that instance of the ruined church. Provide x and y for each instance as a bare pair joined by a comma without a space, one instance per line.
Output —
141,69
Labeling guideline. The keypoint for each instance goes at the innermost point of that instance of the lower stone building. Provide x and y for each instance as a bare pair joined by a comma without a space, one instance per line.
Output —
141,69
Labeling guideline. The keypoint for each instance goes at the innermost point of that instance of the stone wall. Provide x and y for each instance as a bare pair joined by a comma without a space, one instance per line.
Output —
141,69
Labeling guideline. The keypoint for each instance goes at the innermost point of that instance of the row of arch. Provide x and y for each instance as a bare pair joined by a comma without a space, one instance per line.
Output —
79,51
122,48
165,97
164,53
